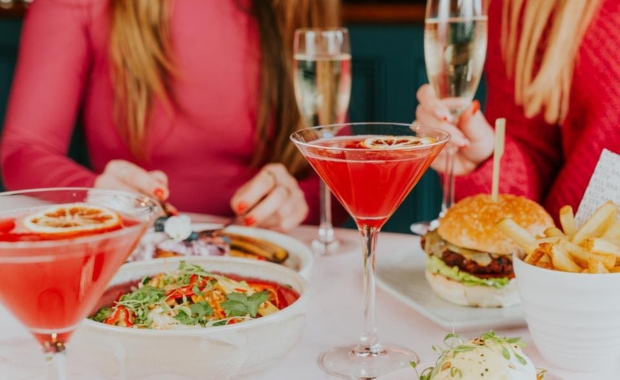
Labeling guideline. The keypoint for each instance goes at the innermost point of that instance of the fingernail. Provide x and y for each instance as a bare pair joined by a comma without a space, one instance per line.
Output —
159,194
463,143
475,107
443,115
242,207
249,220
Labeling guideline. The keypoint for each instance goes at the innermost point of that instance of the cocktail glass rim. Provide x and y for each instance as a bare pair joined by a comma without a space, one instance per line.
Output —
412,126
149,202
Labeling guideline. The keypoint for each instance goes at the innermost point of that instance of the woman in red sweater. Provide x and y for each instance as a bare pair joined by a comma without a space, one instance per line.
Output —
186,100
552,71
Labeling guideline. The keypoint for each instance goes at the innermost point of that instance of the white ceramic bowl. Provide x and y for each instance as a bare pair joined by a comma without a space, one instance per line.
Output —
223,352
574,318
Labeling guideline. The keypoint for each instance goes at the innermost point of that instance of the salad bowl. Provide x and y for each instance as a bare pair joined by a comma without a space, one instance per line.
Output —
233,351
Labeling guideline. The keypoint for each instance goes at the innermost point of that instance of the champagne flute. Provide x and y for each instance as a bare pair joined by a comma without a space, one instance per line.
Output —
322,79
455,44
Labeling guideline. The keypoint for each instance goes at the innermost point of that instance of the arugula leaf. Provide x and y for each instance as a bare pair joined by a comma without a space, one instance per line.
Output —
197,291
201,309
139,300
195,314
103,314
184,318
255,300
239,304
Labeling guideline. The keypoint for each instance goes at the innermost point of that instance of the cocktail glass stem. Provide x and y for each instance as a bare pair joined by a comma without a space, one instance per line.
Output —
56,361
369,341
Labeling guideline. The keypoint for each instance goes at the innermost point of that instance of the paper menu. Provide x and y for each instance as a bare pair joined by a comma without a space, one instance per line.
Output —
604,185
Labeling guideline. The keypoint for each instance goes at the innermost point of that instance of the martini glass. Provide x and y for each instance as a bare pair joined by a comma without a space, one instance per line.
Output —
370,168
51,285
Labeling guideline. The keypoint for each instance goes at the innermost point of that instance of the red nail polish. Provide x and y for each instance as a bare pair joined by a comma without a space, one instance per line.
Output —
159,193
249,220
242,207
475,107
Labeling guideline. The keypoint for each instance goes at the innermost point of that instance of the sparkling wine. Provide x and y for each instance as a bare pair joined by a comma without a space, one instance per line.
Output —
455,52
323,87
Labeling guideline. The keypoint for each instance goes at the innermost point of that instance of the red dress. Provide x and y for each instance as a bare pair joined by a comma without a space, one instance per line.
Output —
552,164
63,68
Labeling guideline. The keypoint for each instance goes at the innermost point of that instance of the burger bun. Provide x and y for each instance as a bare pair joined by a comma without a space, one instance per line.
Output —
471,223
475,296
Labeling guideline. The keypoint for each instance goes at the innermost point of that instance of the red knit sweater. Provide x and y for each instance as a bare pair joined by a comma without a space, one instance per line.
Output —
552,164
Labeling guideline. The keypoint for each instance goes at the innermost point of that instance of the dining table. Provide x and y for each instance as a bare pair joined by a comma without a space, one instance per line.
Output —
334,318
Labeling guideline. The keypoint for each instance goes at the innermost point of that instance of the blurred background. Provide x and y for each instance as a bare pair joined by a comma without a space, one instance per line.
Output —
388,67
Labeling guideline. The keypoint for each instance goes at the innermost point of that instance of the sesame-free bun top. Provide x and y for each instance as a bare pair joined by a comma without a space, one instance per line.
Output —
471,223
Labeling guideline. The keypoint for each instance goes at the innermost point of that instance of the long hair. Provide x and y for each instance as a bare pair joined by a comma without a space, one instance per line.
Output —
540,43
143,69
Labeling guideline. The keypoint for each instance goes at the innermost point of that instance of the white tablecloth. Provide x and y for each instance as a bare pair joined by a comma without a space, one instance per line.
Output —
335,318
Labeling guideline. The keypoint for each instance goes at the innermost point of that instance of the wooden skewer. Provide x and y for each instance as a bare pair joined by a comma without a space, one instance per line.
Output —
500,131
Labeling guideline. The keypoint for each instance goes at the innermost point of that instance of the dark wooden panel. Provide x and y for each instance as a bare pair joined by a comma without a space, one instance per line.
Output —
9,42
388,67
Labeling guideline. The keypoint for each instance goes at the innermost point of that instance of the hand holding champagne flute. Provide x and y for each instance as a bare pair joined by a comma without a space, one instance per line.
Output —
322,78
455,42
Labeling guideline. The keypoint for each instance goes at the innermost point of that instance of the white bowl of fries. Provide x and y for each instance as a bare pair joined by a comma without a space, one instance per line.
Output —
569,285
233,351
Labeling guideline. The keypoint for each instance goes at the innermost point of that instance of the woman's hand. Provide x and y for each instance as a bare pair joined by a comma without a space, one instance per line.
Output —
123,175
272,199
472,134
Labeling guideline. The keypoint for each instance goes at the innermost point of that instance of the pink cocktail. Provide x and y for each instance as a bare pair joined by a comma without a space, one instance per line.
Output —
370,168
51,280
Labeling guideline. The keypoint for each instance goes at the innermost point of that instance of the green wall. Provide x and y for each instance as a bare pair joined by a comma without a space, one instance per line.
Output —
388,67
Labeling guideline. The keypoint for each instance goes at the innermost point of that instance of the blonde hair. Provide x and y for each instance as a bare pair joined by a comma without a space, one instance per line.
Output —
143,68
555,29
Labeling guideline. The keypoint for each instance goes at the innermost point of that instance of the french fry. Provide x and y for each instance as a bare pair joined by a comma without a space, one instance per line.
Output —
535,256
613,232
581,256
567,220
517,233
554,232
562,260
592,248
595,266
598,222
600,245
546,259
545,264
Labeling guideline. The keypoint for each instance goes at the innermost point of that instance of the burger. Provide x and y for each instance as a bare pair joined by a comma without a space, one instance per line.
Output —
486,357
469,259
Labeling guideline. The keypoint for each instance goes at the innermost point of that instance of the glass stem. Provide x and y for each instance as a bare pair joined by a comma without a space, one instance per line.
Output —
56,361
326,230
448,185
369,341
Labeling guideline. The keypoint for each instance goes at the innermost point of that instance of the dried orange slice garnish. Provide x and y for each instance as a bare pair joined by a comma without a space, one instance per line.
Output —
391,142
72,219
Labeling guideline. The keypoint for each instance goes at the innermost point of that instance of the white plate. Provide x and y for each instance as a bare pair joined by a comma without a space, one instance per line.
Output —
401,273
299,254
409,374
